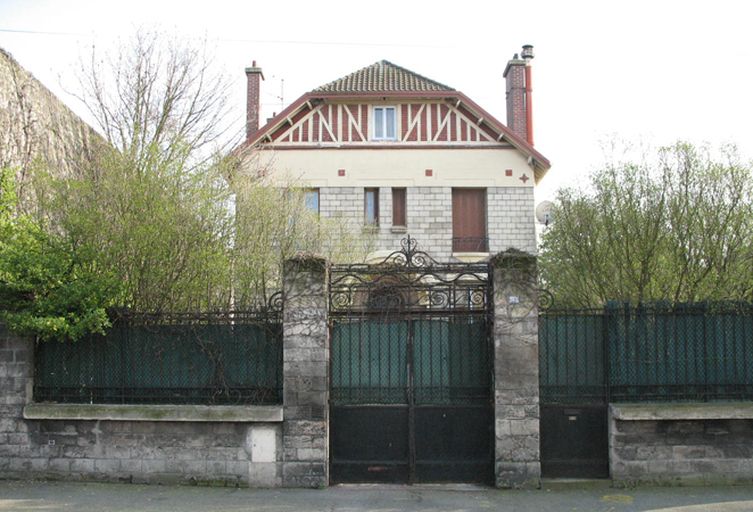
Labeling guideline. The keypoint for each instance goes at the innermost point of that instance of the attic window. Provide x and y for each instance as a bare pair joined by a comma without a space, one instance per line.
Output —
385,122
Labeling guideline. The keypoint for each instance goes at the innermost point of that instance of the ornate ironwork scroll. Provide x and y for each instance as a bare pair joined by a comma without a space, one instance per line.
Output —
409,280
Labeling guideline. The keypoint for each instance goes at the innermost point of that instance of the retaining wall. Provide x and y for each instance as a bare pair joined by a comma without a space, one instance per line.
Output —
681,444
151,444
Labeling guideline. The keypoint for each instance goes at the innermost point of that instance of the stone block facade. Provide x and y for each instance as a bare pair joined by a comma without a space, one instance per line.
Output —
510,217
681,451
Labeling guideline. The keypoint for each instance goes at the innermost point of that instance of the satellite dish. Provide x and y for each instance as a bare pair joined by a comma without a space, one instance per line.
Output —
544,212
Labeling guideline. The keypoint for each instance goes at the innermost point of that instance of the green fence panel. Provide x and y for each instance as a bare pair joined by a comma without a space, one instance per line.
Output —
571,357
369,362
656,352
200,363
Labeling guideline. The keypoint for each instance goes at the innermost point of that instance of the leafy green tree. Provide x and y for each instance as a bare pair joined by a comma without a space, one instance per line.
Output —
157,207
164,231
677,227
48,287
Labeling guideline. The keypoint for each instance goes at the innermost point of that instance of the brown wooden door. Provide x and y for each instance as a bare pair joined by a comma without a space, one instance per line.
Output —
469,220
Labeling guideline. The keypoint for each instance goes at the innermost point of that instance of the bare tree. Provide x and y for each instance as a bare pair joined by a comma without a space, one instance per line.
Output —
158,98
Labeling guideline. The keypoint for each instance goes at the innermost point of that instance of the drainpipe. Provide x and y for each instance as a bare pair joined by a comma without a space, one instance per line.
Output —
527,55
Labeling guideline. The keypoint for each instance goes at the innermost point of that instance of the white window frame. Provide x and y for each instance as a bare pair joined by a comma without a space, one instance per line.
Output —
383,135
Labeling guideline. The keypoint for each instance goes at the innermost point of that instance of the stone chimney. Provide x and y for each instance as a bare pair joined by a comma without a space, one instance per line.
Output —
518,93
254,77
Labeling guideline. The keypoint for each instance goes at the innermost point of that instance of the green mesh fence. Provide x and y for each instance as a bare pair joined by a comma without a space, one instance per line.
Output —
692,352
448,358
701,351
188,362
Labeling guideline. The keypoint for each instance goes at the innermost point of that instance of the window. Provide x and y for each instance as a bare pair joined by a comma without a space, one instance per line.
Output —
311,200
371,206
469,220
384,123
398,207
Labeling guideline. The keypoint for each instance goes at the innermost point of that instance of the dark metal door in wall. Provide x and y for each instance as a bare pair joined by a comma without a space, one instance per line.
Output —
574,442
411,373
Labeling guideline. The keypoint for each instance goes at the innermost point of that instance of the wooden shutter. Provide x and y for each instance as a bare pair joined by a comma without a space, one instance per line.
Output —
469,220
398,207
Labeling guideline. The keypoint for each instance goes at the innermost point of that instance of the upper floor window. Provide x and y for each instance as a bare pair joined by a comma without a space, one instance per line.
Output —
311,200
385,123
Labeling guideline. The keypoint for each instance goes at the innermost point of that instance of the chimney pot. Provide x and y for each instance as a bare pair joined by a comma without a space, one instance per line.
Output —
527,52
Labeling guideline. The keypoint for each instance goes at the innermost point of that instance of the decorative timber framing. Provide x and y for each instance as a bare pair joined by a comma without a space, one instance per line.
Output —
425,122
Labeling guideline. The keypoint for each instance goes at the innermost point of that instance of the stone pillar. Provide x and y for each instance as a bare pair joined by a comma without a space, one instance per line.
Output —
516,370
305,371
16,385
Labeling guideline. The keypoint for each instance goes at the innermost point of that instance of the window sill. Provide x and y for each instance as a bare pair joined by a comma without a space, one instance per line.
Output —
133,412
399,229
470,257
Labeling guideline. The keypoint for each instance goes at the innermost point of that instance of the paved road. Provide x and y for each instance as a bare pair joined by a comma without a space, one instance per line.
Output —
90,497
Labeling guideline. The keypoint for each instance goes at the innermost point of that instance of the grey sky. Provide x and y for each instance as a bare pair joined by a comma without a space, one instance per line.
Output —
650,70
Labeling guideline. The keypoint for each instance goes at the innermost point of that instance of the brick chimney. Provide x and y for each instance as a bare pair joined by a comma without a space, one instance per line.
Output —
518,93
254,77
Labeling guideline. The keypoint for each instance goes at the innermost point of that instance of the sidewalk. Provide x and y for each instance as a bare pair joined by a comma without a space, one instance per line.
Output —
92,497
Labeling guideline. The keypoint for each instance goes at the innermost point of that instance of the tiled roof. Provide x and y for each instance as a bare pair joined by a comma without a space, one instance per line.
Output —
382,76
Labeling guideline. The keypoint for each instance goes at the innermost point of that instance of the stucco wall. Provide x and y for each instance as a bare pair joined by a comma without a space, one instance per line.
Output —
401,167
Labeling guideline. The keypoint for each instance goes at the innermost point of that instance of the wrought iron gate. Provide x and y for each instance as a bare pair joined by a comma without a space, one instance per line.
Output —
411,374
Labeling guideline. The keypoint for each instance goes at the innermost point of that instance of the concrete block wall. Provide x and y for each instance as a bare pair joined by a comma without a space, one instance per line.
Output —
212,453
510,217
681,452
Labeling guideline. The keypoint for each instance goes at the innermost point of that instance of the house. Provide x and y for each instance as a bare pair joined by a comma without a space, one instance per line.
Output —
397,153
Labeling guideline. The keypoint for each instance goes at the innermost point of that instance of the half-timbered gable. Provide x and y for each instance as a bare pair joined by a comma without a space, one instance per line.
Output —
402,153
428,122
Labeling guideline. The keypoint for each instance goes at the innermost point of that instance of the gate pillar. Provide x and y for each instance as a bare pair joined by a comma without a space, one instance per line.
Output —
516,370
305,368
